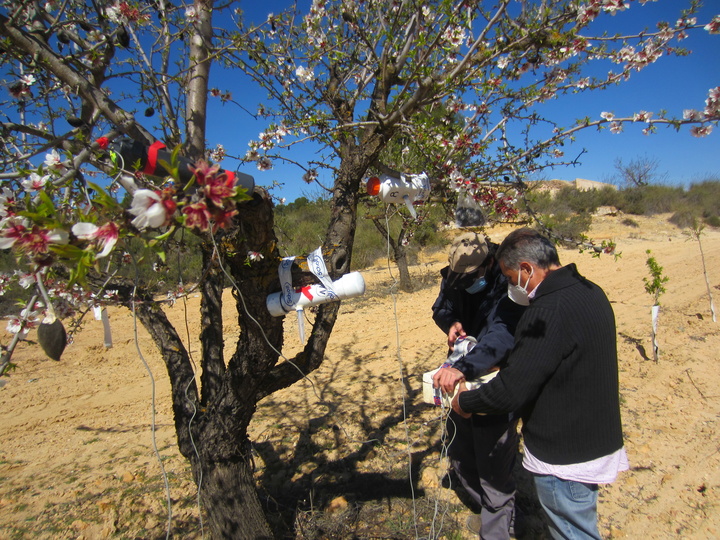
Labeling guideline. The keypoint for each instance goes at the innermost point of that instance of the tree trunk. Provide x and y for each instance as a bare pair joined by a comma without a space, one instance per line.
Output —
399,254
401,260
229,499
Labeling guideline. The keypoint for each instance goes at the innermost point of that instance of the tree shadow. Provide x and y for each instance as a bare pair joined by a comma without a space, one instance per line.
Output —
353,449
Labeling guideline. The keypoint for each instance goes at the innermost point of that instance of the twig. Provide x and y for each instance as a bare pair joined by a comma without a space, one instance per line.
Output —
695,385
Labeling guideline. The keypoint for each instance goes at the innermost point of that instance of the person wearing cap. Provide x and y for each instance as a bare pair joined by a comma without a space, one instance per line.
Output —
473,302
563,376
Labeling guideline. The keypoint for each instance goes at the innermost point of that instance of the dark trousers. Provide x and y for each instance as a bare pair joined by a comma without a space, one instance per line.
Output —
482,452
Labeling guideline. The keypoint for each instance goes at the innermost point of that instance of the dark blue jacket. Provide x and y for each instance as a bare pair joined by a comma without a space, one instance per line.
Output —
489,316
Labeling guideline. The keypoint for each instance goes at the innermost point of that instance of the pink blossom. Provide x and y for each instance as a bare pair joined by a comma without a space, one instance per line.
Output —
616,127
714,26
34,240
583,83
692,114
223,217
218,154
264,164
16,325
607,115
712,103
612,6
304,74
197,216
310,176
7,203
217,185
35,182
255,256
454,35
642,116
54,163
151,208
700,131
26,280
104,238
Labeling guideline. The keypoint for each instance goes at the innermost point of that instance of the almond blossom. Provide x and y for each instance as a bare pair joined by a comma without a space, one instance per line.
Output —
197,216
310,176
714,26
8,201
712,104
18,233
54,163
26,280
104,238
217,185
700,131
35,182
22,324
304,74
264,164
151,209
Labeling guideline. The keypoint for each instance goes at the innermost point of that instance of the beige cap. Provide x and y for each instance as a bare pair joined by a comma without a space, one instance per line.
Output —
467,253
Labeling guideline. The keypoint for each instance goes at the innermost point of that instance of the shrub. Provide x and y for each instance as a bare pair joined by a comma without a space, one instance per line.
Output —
570,228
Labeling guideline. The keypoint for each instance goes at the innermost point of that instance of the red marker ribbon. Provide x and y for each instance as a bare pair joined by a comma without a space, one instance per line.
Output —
151,163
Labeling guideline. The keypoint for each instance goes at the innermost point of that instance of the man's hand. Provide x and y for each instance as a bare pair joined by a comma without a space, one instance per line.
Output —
456,331
456,401
446,379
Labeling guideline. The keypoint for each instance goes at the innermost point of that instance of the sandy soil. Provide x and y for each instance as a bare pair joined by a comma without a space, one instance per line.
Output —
77,456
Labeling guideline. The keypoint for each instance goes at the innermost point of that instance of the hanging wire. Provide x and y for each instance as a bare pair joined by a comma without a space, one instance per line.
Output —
190,401
153,428
393,292
236,287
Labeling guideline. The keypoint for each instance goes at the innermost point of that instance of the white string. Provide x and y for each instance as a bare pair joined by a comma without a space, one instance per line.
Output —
257,323
153,426
402,373
194,408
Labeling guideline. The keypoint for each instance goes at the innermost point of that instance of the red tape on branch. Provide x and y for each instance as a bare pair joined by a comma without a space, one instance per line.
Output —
151,164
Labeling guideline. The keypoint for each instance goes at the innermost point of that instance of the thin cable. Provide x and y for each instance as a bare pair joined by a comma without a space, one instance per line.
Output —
444,445
199,481
402,374
153,427
253,319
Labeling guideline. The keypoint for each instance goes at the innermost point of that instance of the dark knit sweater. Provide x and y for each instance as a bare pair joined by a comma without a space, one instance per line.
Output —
562,375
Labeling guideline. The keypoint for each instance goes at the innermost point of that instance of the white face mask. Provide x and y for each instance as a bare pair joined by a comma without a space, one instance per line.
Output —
518,293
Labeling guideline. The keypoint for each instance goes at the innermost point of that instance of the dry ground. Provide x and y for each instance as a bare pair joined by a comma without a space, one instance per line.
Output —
351,451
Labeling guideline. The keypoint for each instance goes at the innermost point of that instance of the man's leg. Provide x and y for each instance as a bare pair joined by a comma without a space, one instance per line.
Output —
496,447
571,507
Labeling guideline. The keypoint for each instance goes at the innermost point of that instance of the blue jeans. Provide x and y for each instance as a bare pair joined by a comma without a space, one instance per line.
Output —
571,507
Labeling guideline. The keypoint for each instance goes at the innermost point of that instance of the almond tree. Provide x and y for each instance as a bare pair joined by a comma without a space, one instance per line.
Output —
347,76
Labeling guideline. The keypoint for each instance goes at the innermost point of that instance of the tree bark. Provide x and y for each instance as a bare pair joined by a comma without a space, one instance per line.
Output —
401,259
399,254
228,495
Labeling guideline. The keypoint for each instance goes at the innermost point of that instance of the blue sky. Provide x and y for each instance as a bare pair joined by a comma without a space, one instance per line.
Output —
672,84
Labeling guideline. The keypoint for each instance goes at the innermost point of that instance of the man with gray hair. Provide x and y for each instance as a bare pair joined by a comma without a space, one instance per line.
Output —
562,376
473,302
